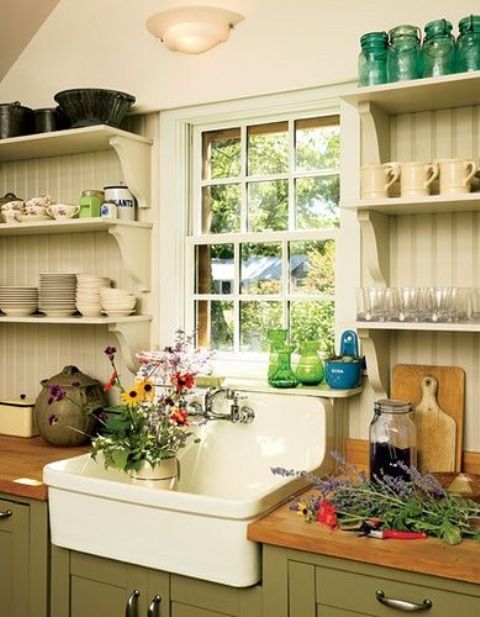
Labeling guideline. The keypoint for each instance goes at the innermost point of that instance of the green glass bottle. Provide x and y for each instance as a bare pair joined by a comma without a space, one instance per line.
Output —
283,376
277,340
309,369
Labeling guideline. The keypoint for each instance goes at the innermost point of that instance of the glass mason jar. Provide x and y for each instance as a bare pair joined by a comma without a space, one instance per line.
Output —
372,62
309,370
277,340
393,439
468,44
283,376
404,54
438,49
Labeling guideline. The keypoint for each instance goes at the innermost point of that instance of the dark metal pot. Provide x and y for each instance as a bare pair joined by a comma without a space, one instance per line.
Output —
49,119
69,421
15,119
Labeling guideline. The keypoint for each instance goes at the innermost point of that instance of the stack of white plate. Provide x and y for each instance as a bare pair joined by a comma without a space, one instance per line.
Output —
18,301
117,302
56,294
88,299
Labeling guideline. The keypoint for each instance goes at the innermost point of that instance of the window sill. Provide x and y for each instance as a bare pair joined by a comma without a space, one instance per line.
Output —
321,391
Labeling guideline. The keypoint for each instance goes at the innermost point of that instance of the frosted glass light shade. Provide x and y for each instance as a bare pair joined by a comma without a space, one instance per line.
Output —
193,30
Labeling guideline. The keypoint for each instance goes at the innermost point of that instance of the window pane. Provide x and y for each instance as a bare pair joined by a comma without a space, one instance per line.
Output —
221,154
268,206
317,144
317,202
312,267
221,208
215,269
214,322
256,318
312,321
261,269
267,148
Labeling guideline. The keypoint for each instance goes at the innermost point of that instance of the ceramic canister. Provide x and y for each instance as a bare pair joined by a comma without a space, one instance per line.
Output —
123,199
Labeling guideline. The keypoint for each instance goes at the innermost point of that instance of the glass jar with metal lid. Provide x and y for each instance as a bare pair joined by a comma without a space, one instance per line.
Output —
438,49
393,439
404,53
468,44
372,62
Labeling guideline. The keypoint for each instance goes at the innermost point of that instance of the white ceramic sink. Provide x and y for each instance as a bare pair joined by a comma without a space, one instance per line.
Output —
200,529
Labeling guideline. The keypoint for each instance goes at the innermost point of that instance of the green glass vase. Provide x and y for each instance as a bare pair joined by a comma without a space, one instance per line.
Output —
282,375
277,340
309,369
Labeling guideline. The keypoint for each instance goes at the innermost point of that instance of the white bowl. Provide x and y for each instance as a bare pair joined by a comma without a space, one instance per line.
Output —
19,311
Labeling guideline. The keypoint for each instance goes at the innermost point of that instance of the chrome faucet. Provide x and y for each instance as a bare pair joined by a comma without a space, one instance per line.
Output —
239,413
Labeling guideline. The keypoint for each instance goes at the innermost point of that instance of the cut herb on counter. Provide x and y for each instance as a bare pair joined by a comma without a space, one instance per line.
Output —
417,503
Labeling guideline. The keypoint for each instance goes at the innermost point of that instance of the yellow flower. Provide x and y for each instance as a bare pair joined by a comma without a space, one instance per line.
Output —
132,397
146,389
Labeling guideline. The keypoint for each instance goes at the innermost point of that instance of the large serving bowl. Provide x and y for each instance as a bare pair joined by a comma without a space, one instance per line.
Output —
90,106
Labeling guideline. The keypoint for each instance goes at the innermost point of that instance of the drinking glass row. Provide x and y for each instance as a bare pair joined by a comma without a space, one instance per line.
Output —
419,304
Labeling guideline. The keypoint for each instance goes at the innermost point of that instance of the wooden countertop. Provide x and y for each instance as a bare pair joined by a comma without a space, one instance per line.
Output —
25,458
285,528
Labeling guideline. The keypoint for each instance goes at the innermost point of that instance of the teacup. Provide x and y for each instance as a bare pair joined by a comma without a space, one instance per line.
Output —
11,206
10,216
375,180
456,175
35,210
63,211
416,178
44,201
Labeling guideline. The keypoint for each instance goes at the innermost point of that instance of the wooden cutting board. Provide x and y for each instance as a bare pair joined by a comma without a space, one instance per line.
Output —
440,435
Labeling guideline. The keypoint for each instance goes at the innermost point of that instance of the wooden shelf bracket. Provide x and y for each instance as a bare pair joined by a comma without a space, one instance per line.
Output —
136,166
132,337
376,348
134,244
375,230
375,134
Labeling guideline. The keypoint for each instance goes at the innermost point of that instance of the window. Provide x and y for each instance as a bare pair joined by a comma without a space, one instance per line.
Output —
265,222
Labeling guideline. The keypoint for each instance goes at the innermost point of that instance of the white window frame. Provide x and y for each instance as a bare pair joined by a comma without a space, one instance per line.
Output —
177,130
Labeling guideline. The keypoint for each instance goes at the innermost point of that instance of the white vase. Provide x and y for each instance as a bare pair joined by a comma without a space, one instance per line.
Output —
163,474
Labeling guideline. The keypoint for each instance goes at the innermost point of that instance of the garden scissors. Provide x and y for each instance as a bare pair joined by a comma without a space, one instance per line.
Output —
371,529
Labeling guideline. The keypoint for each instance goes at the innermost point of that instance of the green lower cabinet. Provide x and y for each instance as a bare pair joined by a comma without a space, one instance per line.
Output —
298,584
88,586
23,558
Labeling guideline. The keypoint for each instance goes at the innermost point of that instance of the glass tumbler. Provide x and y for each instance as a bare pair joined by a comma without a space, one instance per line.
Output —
439,304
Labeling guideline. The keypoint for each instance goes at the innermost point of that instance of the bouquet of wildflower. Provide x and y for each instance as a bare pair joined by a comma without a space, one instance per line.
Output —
151,422
416,502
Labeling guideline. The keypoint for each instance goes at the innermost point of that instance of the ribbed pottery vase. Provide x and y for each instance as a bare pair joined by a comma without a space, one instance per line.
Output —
163,474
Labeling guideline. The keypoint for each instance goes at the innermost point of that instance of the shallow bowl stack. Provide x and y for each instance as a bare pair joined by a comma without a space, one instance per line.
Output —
88,299
56,294
117,302
18,301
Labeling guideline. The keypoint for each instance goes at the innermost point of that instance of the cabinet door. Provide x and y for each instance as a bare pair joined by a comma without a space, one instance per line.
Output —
14,579
157,593
183,610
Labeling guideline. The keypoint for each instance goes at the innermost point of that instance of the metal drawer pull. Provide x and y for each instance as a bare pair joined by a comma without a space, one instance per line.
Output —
402,605
131,610
154,608
6,514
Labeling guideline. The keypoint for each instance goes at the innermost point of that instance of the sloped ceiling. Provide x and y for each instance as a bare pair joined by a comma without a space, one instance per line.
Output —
20,20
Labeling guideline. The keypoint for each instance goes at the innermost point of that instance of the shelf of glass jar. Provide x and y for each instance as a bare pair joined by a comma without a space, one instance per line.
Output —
428,94
415,326
133,239
428,204
133,151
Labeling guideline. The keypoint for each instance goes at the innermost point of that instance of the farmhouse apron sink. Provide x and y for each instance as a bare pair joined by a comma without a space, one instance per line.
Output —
200,529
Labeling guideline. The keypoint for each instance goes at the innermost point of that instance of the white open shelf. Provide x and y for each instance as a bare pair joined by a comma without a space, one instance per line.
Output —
69,226
459,90
415,326
77,320
322,391
430,204
71,141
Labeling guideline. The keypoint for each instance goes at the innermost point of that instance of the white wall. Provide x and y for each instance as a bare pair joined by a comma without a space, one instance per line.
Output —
281,45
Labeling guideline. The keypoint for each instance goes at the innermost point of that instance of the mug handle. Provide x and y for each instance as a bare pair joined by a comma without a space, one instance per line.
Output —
49,212
392,169
433,168
471,173
76,211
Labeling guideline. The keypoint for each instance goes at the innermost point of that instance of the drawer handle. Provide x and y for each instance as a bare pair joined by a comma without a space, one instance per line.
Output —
154,608
402,605
6,514
131,610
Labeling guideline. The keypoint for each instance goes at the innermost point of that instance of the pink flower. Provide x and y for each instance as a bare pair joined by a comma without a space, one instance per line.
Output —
326,514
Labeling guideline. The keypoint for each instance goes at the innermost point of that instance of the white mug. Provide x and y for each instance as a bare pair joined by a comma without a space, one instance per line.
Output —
455,175
35,210
16,206
416,178
375,180
10,216
63,211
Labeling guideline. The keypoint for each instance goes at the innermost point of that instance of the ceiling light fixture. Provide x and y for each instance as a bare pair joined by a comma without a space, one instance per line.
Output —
193,29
